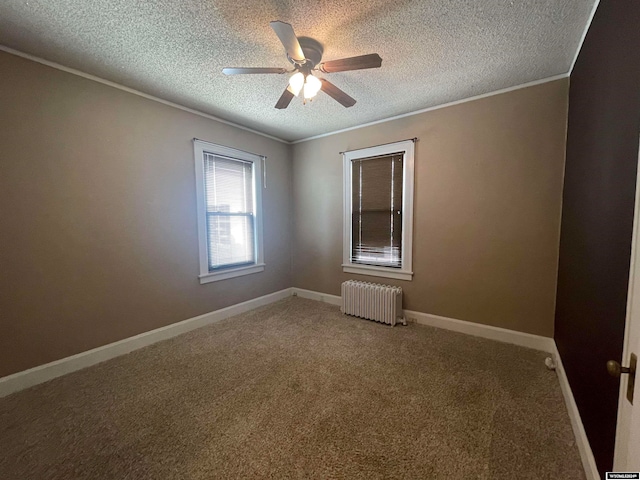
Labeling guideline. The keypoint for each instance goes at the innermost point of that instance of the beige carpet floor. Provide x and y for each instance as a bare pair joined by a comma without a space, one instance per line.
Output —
297,390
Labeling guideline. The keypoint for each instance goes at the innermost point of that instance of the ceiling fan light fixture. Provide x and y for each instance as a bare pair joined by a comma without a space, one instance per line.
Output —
311,87
296,82
306,55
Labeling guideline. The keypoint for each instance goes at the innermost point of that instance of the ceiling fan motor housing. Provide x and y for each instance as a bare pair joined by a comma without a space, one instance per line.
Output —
312,50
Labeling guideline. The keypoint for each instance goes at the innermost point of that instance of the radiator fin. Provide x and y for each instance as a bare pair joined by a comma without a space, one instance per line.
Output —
373,301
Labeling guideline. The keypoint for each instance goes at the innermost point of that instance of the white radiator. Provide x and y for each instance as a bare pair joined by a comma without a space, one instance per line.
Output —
373,301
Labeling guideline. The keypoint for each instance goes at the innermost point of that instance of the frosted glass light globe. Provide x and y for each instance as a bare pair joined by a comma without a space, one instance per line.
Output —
312,86
296,82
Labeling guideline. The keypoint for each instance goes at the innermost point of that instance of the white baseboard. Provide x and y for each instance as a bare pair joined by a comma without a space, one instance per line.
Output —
321,297
536,342
33,376
588,460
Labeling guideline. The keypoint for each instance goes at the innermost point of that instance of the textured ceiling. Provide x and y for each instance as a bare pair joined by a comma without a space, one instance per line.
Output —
434,51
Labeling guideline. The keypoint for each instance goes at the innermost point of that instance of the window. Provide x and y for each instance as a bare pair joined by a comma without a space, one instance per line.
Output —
378,210
229,198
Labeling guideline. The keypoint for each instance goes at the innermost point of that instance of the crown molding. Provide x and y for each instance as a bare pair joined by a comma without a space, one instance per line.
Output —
438,107
109,83
257,132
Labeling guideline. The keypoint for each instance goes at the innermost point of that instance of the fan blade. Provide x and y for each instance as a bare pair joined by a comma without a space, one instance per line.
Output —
239,71
288,38
337,94
372,60
285,99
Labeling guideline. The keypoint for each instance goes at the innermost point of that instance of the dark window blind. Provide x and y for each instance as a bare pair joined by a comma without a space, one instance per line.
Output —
230,215
376,220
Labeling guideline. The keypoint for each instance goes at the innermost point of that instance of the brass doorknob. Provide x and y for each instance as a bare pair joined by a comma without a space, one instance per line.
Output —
615,369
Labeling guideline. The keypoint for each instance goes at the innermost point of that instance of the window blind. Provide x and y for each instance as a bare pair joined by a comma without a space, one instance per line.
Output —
230,211
376,206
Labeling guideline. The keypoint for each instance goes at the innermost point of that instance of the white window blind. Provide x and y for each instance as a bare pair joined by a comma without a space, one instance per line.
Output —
378,210
230,218
376,219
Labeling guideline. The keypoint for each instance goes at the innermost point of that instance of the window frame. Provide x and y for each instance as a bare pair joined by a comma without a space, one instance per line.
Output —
407,147
200,147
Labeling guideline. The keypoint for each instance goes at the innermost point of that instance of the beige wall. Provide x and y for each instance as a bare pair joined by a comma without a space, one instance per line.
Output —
488,193
98,223
98,220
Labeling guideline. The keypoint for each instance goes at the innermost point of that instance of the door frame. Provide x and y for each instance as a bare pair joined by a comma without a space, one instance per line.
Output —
622,436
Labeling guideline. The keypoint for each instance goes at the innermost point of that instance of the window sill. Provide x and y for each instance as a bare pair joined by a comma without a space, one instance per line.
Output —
377,271
230,273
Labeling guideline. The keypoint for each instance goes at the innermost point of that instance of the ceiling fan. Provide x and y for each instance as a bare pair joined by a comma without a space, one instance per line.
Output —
305,54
